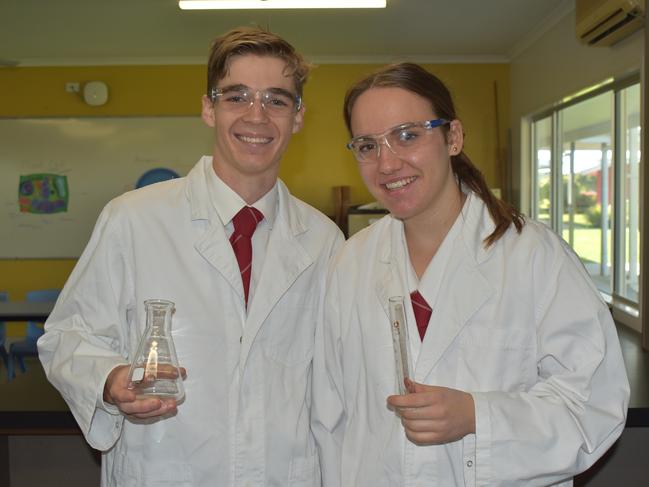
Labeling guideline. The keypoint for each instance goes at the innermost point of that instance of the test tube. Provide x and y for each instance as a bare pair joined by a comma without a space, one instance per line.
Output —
399,330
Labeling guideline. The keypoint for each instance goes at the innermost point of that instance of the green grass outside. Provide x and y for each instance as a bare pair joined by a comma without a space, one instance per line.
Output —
588,244
587,239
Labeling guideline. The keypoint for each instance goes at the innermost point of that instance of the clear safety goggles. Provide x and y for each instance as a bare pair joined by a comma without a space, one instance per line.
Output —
275,101
401,140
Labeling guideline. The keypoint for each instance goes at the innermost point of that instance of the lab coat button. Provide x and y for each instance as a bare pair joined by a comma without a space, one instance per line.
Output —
469,463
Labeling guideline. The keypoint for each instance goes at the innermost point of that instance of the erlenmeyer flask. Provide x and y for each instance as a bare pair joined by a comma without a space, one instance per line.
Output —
155,369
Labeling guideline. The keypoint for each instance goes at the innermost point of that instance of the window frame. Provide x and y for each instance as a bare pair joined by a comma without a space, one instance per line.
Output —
624,309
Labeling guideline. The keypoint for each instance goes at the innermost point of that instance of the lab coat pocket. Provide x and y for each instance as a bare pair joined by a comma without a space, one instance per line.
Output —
493,358
141,472
304,472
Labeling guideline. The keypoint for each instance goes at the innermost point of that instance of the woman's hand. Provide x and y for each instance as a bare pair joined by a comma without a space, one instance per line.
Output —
434,415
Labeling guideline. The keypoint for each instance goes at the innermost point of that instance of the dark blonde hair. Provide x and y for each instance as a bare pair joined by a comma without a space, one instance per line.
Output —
414,78
259,42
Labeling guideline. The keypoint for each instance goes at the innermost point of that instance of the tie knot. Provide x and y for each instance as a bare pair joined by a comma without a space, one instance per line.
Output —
246,220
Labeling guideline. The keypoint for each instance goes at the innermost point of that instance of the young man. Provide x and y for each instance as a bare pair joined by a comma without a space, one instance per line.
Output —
244,337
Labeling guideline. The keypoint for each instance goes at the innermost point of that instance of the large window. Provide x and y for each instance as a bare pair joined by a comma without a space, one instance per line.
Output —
586,156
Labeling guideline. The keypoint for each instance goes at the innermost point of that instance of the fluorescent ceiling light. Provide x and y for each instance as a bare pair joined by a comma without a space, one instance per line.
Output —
277,4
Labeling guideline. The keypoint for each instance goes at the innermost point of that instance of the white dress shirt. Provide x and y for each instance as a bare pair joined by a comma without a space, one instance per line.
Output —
227,204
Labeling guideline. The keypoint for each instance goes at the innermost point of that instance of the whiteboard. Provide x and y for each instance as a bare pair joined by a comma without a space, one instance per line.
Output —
101,158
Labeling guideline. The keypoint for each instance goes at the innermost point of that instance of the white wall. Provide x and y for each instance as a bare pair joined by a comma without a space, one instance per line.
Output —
554,66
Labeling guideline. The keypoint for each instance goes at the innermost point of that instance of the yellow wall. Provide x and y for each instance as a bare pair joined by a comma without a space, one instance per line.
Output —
316,160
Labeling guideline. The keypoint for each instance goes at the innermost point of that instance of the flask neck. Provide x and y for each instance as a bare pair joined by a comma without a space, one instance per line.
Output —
158,318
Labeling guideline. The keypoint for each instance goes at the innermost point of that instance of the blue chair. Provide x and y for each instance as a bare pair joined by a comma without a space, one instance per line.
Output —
4,296
27,347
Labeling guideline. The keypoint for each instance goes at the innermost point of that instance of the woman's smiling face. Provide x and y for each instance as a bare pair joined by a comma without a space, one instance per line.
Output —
415,184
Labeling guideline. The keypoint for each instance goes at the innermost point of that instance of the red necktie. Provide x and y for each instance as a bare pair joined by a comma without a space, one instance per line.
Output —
245,223
422,312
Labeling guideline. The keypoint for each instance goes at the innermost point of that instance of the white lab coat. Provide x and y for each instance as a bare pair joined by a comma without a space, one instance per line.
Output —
245,418
519,325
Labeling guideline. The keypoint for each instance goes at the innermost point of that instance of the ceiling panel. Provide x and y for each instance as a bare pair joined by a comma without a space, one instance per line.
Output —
34,32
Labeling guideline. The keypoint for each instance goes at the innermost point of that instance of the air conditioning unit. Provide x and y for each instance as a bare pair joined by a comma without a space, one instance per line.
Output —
605,22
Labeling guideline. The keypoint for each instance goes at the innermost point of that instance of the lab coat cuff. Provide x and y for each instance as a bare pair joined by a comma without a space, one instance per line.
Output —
106,424
483,439
104,430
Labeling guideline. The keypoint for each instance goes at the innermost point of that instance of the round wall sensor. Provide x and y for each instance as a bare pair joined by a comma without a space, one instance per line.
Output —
95,93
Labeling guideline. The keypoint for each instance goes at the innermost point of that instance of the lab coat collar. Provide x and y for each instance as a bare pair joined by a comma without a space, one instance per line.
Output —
213,245
389,281
286,257
201,209
464,291
477,226
197,192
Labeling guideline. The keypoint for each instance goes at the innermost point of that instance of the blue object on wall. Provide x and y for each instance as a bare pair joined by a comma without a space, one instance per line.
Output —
155,176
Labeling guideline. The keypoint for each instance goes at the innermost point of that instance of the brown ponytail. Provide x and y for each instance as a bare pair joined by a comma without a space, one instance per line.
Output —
502,213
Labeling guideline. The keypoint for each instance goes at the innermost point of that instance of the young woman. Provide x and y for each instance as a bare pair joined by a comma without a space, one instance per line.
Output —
517,376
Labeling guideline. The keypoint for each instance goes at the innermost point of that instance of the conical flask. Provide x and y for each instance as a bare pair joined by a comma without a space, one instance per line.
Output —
155,369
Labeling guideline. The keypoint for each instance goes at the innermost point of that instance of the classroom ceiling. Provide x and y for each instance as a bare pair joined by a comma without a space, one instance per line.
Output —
87,32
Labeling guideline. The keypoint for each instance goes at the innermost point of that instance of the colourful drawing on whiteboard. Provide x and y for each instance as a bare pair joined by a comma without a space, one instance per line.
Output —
43,193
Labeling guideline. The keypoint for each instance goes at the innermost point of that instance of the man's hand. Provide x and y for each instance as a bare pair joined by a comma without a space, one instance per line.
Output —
434,415
116,392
